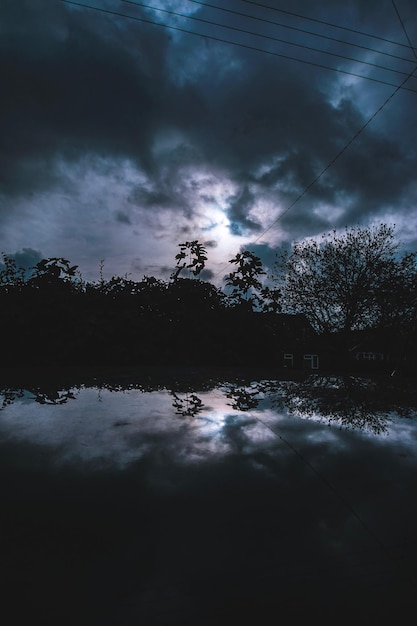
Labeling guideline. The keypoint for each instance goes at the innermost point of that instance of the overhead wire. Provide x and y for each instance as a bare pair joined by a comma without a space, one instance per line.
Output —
263,36
346,146
329,164
234,43
303,30
336,157
323,22
404,29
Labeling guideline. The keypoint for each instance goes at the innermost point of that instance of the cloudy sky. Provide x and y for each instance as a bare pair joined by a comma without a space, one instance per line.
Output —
125,130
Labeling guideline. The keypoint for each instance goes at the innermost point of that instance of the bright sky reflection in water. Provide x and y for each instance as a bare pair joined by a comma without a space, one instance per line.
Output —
119,427
99,427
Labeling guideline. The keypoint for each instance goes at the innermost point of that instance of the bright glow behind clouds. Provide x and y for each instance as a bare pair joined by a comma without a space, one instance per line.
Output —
97,212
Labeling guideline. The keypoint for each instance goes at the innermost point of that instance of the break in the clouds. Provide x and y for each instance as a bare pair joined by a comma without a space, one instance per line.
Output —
120,138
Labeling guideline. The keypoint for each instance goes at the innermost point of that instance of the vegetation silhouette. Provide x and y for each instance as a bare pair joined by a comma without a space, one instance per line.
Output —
353,286
347,291
197,257
352,402
187,406
244,399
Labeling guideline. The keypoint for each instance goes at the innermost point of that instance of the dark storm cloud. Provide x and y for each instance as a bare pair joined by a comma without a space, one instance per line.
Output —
207,275
122,217
267,254
239,211
71,88
151,197
26,258
85,83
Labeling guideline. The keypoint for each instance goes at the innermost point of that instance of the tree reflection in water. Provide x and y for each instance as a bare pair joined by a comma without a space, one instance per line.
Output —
187,406
44,395
9,396
244,399
350,401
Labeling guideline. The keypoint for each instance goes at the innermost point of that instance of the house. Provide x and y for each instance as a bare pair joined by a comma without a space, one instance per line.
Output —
298,345
384,350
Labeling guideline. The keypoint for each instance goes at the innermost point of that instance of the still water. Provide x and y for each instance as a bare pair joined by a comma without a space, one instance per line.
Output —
208,501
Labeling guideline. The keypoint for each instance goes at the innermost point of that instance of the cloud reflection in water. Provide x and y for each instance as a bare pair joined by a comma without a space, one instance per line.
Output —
118,424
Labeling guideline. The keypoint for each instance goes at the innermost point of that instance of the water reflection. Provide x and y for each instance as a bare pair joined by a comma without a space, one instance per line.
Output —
123,421
189,405
205,483
247,398
348,401
44,395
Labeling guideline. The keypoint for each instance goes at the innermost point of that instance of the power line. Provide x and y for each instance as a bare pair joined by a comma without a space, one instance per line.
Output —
234,43
335,158
302,30
348,144
404,29
263,36
331,163
312,19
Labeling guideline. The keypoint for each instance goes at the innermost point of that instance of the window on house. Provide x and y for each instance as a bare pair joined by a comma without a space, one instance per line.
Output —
288,360
369,356
311,361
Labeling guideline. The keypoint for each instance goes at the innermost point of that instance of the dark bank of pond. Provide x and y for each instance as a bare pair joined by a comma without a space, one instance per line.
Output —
187,375
159,374
206,496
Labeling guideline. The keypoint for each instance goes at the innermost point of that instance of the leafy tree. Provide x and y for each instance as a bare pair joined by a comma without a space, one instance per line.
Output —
271,299
194,295
397,303
118,286
196,255
338,281
12,277
398,299
54,273
245,284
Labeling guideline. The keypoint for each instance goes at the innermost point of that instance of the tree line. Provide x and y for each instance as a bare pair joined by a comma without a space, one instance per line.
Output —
346,285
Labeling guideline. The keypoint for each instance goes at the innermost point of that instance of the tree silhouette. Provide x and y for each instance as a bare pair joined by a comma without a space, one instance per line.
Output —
187,406
12,277
196,255
338,281
343,284
350,401
246,287
54,273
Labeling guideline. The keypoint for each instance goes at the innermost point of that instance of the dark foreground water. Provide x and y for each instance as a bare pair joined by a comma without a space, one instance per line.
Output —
213,501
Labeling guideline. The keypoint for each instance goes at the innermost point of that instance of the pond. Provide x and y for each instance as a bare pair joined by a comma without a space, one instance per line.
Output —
207,500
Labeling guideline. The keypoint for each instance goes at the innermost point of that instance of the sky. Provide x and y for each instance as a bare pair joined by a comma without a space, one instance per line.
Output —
247,125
